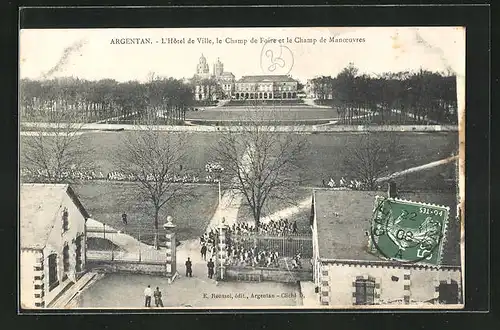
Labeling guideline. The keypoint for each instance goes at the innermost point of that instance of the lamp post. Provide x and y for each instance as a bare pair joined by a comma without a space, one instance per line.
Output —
171,247
216,169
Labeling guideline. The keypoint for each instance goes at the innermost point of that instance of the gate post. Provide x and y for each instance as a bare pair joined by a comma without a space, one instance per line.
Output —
222,249
171,247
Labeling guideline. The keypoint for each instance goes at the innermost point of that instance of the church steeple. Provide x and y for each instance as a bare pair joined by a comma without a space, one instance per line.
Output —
202,67
218,68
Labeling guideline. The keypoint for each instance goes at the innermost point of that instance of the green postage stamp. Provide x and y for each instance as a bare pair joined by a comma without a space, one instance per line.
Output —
408,232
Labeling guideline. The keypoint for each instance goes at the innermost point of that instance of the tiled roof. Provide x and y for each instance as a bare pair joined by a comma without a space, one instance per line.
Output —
40,206
262,78
344,216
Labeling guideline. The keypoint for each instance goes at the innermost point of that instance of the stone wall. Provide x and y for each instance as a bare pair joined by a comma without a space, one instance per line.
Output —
132,267
267,274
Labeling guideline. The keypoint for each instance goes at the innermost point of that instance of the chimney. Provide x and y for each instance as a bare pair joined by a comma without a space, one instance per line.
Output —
391,189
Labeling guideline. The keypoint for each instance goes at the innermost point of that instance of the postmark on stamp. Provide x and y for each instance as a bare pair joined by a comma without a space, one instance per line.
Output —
408,231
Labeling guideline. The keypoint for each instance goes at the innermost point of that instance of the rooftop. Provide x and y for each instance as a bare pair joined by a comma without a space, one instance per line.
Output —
343,217
39,206
261,78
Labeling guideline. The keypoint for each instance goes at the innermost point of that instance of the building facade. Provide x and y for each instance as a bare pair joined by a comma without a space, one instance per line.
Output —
214,85
266,87
347,274
220,84
52,239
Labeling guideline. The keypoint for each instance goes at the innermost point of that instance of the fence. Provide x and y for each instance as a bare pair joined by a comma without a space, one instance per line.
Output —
288,245
106,244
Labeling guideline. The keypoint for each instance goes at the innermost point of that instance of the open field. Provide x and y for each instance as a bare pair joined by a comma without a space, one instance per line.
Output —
283,114
325,152
287,200
107,144
106,201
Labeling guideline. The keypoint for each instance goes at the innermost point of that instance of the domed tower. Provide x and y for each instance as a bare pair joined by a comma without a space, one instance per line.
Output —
218,68
202,67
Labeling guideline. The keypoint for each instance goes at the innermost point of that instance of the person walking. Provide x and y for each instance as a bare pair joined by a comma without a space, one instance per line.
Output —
210,266
204,252
189,270
147,296
158,300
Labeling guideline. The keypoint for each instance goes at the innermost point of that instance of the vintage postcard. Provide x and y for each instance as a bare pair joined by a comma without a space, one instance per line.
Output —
239,168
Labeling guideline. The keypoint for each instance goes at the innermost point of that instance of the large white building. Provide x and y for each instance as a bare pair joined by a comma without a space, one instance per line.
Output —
346,273
52,239
222,85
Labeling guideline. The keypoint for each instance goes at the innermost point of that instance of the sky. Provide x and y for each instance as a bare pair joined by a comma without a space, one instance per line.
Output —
90,53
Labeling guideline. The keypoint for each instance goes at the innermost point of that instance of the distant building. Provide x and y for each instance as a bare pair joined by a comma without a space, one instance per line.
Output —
222,85
266,87
211,86
346,273
52,239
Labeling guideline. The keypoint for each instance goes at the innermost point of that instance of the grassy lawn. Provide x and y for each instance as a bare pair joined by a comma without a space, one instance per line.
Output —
290,199
326,152
105,144
106,201
440,178
285,114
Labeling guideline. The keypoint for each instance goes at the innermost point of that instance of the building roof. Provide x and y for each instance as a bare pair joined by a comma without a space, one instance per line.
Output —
40,206
262,78
344,216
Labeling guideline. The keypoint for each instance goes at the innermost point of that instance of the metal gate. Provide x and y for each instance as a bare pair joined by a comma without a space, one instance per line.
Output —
287,246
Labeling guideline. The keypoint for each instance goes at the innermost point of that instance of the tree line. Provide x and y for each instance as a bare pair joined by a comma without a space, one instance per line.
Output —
394,97
105,99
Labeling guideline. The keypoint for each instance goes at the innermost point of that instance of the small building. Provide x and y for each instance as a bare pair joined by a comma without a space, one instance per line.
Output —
347,274
52,242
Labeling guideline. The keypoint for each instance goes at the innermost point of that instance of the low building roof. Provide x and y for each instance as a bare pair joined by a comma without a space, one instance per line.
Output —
264,78
40,206
343,217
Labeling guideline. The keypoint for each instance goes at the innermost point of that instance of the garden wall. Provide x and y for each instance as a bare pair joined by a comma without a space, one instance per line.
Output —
258,274
131,267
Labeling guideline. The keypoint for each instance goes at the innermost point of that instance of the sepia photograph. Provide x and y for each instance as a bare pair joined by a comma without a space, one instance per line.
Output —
242,168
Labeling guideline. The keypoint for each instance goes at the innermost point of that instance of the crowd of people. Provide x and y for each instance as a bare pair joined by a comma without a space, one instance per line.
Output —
353,184
241,249
279,227
112,176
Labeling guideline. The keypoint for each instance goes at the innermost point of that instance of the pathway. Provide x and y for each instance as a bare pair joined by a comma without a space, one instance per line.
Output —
310,102
115,118
418,168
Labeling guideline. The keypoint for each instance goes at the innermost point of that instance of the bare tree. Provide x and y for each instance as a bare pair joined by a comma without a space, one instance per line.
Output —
260,162
156,161
54,150
368,157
